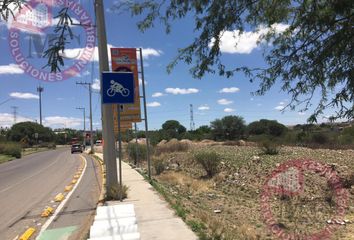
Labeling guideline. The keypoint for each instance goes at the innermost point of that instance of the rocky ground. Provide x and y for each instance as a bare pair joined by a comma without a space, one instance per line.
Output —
229,206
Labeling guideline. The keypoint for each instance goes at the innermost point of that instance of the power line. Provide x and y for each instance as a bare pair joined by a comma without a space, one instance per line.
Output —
90,101
192,125
14,113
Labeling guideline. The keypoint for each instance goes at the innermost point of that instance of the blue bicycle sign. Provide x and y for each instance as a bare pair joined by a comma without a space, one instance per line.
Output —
117,87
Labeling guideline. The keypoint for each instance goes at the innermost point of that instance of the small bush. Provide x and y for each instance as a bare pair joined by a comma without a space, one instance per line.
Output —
209,160
11,149
137,152
159,165
117,193
320,138
270,147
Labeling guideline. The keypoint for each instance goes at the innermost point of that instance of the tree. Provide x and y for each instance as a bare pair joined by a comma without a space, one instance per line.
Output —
311,44
228,128
264,126
27,130
173,128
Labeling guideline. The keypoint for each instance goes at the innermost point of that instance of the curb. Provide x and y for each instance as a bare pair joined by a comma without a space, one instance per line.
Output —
101,199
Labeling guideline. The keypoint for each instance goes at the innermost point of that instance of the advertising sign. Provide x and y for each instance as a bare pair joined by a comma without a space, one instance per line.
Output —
125,60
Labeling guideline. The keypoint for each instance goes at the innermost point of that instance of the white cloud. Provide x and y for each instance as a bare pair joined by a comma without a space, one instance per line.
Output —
279,108
55,22
259,104
96,85
24,95
252,99
203,107
176,91
150,52
245,42
301,113
228,110
58,121
10,69
281,103
229,90
153,104
60,99
224,101
75,53
158,94
7,119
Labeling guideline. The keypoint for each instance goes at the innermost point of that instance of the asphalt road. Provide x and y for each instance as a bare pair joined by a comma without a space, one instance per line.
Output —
30,184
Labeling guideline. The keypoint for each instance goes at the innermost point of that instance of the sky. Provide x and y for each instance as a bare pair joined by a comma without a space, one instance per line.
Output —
168,95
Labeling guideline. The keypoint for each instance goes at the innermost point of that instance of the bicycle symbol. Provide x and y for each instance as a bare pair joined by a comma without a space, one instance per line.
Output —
117,88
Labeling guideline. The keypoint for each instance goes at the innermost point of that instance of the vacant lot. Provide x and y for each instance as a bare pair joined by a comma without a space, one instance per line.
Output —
227,205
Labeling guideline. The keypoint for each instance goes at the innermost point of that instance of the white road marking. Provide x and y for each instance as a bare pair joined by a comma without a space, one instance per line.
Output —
62,204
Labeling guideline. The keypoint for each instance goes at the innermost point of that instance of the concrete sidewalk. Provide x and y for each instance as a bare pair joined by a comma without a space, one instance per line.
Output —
155,219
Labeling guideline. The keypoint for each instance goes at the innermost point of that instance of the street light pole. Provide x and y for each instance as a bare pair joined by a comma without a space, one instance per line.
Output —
84,134
90,98
40,90
109,154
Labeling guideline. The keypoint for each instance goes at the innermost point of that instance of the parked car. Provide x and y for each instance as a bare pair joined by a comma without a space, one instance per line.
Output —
76,148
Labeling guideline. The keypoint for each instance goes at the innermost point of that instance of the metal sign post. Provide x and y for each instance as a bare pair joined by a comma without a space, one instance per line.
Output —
120,154
145,114
118,88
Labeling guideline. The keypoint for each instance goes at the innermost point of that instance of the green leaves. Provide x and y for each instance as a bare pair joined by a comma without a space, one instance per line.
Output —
314,54
57,46
9,7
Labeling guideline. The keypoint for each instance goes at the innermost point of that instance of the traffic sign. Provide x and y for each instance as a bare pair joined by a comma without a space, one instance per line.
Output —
117,87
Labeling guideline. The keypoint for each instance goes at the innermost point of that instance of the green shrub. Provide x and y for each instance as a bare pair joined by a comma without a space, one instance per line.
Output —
49,145
159,165
270,147
137,152
11,149
116,192
320,138
209,160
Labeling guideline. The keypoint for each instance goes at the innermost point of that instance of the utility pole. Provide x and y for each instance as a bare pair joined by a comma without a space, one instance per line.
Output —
40,90
84,134
15,113
109,154
192,125
90,99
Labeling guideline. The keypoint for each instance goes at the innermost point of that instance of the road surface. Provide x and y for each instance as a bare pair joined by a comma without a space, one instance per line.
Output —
30,184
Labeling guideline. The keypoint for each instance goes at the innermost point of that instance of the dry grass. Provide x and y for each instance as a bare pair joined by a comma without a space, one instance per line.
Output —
172,146
235,190
185,181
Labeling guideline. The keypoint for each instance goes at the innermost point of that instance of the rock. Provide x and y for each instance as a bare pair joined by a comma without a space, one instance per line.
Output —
162,142
211,195
241,143
217,211
256,158
329,221
174,166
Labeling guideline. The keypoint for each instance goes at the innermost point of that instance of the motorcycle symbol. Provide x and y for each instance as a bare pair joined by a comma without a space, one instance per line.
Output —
117,88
